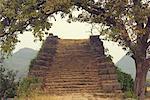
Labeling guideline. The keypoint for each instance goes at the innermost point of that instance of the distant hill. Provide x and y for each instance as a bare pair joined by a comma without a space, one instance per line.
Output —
127,65
20,61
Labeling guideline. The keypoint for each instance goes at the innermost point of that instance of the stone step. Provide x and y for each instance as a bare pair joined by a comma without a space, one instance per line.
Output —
41,62
110,70
110,87
96,93
61,58
49,50
75,82
82,81
77,47
45,58
88,81
37,74
108,76
103,64
73,71
73,90
108,81
68,79
108,95
76,71
45,54
73,66
38,67
72,78
81,50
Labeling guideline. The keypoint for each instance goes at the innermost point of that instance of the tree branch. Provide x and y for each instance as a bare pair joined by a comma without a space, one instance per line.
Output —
137,2
147,63
25,24
146,36
91,8
148,44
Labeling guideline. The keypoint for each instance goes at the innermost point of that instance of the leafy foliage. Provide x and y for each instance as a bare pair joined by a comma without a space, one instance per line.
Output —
8,86
28,86
125,80
124,20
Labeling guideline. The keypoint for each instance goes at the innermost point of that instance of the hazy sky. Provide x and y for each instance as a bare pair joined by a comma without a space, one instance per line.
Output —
69,31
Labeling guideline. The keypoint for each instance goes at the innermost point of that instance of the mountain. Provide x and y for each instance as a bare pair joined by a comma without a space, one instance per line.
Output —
127,65
20,61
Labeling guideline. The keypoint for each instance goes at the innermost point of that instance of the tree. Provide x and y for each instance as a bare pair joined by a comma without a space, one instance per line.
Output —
126,22
8,86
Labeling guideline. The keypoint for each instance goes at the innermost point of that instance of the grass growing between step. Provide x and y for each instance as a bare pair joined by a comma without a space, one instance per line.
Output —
29,89
66,97
29,86
45,97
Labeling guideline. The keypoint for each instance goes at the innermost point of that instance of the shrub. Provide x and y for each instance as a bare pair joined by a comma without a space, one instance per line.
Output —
8,85
27,86
126,82
129,94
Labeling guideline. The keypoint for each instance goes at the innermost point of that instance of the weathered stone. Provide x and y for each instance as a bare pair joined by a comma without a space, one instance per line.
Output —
44,58
97,44
76,66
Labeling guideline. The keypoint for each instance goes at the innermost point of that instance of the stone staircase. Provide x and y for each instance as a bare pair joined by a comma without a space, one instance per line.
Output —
76,66
44,59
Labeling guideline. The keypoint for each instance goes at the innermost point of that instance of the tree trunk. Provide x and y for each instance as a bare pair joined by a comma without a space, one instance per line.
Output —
2,98
140,79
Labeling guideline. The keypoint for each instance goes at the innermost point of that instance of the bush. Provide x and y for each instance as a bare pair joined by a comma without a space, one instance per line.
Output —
129,94
126,82
27,86
8,85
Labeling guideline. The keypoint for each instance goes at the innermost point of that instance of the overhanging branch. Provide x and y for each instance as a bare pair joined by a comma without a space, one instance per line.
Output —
91,8
148,44
147,34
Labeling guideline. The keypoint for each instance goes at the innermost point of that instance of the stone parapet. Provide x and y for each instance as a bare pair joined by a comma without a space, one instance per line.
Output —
97,44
